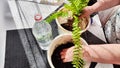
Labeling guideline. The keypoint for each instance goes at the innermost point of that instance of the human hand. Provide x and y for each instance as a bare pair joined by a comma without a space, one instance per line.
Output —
67,54
87,11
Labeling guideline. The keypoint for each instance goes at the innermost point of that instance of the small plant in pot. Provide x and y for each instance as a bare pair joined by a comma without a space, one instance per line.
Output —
74,7
65,23
61,42
66,16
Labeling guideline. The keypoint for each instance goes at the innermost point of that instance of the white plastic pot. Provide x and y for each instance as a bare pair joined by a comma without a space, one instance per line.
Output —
62,20
61,39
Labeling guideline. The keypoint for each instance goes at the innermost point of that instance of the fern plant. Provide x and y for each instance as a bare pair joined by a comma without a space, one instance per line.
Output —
76,7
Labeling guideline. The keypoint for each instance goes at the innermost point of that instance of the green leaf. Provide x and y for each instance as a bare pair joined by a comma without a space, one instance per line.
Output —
55,15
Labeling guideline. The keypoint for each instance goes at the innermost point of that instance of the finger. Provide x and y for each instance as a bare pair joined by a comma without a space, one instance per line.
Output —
62,57
64,60
62,54
67,60
63,51
82,16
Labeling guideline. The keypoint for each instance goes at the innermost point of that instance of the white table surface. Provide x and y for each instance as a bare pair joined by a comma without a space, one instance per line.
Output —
7,23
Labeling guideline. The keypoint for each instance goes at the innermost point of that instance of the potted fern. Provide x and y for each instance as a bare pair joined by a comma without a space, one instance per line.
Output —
75,7
65,22
67,15
61,42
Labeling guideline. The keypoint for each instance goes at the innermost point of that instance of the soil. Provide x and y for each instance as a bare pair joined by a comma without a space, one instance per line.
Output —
57,61
69,23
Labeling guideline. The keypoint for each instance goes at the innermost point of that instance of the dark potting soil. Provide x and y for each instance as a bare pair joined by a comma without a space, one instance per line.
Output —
68,25
56,58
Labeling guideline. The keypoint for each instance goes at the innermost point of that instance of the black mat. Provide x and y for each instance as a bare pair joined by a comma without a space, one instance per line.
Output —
15,56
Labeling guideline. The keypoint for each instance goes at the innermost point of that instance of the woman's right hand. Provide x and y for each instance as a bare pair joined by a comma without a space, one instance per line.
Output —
87,11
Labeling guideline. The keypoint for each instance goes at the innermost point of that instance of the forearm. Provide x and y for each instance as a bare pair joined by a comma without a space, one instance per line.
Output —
108,53
104,4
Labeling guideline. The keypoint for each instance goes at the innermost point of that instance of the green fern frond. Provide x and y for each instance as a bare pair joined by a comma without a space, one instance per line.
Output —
55,15
78,62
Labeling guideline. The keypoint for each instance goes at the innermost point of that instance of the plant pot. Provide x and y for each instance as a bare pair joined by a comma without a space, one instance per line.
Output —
61,39
65,23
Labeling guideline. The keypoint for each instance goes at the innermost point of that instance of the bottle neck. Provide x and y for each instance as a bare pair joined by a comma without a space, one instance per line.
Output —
38,21
38,17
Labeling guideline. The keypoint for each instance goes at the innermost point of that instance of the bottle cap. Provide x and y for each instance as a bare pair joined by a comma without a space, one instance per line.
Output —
38,17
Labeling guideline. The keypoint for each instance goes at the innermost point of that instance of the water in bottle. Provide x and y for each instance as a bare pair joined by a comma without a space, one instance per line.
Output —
42,32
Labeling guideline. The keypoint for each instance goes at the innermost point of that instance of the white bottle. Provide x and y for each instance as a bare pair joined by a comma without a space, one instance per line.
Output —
42,32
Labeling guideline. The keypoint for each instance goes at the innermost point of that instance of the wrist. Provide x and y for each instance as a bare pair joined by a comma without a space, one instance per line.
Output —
99,5
92,9
86,55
